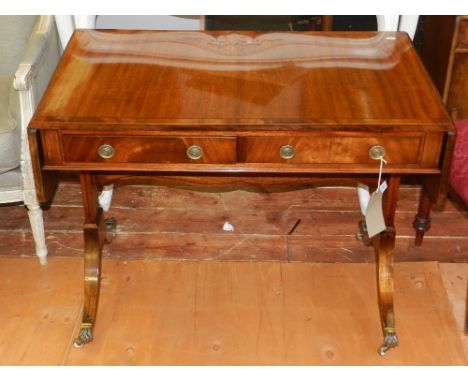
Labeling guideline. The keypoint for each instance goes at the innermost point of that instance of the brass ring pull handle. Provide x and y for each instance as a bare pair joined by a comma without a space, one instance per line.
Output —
106,151
287,152
376,152
194,152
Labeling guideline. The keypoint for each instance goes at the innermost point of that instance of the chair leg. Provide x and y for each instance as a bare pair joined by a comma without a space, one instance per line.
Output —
327,23
422,221
105,199
37,227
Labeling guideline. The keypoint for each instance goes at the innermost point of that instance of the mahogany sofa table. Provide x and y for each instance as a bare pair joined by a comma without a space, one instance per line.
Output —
243,109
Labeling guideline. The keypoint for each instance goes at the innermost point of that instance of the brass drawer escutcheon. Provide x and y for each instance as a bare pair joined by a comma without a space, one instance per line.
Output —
194,152
106,151
287,152
376,152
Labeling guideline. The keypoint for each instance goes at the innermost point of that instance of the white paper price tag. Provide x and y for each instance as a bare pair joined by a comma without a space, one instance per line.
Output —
371,205
364,196
383,186
371,208
375,221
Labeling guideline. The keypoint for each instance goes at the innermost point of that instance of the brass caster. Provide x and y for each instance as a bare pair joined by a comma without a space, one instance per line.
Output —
78,344
111,229
390,341
362,230
359,235
85,336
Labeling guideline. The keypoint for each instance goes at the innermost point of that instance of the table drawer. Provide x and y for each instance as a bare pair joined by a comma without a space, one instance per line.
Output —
325,149
146,149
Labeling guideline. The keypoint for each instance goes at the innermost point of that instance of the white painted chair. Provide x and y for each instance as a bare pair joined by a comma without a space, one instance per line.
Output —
404,23
30,50
68,23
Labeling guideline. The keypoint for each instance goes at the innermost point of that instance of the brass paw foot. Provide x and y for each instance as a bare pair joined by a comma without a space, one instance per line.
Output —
85,336
362,231
362,234
390,341
111,229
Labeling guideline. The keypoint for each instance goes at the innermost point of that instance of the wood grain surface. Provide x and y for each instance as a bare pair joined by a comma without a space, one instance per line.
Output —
455,278
444,52
161,222
335,95
158,78
160,92
40,309
224,313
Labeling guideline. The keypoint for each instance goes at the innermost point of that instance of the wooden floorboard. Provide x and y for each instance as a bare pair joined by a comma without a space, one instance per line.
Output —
39,309
223,313
455,277
159,222
41,305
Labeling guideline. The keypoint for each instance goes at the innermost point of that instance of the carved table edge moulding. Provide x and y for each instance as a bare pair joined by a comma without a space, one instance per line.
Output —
278,110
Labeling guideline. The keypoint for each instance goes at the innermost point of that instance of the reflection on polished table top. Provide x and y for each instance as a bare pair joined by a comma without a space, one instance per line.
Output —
243,108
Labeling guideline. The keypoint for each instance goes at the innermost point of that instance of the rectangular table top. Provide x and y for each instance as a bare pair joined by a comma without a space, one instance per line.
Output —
117,79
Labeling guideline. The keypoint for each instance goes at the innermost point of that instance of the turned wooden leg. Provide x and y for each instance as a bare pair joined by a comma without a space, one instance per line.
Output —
422,221
94,228
327,23
37,227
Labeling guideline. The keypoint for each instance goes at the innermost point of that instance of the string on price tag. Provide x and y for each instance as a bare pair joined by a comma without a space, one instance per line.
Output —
382,161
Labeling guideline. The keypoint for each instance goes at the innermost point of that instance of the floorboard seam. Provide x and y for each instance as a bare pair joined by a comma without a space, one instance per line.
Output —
72,337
